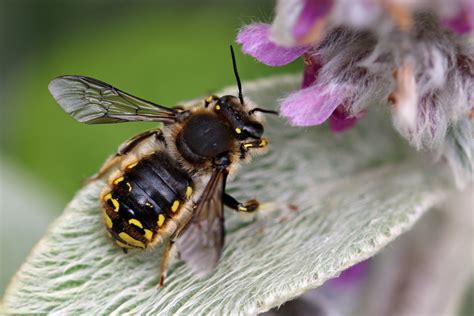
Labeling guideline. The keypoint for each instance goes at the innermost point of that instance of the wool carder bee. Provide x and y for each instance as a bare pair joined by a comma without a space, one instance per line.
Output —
168,185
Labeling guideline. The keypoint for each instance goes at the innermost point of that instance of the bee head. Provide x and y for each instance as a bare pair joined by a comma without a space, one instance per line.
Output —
232,109
245,126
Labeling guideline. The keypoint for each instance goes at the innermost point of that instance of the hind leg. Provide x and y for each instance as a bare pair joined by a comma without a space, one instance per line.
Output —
165,259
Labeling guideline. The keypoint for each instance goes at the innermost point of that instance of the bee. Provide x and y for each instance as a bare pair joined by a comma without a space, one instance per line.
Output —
167,186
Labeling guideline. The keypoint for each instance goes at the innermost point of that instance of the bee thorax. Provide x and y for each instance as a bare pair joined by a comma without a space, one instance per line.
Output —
203,137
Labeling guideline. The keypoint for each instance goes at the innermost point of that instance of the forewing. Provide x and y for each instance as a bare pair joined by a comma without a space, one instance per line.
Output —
200,244
92,101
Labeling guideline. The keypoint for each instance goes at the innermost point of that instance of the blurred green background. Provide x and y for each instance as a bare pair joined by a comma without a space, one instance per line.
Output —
164,51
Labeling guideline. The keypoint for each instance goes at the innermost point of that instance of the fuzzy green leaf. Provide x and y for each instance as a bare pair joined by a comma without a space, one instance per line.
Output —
330,201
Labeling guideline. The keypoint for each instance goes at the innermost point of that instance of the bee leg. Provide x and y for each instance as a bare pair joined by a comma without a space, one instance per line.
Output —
165,258
247,207
258,143
137,139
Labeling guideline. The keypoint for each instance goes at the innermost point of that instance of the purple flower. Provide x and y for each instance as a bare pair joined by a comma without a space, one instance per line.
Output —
341,121
361,53
462,19
311,21
256,42
352,275
314,104
311,106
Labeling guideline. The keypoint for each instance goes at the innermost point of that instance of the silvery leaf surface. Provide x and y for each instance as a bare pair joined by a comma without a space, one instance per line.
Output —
329,201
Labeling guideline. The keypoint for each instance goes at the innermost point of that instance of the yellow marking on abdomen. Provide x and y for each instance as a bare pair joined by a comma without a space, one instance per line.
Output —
189,191
118,180
135,222
133,164
175,206
108,221
122,245
130,240
161,220
148,234
115,203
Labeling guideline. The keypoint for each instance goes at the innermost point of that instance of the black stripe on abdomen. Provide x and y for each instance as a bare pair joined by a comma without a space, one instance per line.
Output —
169,172
151,188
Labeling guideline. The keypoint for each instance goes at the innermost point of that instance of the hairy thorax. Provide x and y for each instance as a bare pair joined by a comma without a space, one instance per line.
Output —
203,137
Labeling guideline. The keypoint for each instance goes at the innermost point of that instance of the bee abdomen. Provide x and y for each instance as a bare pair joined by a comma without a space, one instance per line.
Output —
144,198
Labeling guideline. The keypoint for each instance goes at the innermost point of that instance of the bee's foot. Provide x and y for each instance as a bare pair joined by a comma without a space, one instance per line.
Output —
162,281
249,206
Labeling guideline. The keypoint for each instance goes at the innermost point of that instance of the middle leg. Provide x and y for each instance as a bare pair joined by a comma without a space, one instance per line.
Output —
247,207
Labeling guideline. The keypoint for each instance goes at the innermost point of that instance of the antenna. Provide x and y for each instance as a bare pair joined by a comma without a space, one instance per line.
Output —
263,111
239,85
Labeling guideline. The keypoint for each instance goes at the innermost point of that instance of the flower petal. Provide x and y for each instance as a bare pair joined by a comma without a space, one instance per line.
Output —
458,16
463,22
340,121
256,43
352,275
310,106
310,23
312,66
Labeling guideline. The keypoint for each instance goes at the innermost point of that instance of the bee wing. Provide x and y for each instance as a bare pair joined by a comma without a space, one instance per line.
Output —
200,244
92,101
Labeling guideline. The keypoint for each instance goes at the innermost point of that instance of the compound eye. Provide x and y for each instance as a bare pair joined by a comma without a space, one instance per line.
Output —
253,129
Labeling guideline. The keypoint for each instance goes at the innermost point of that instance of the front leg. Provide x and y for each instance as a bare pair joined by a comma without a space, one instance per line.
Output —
250,206
255,144
247,207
